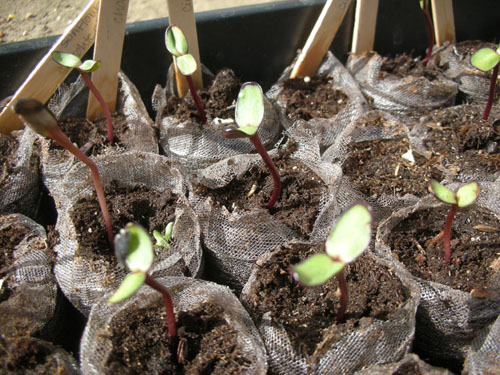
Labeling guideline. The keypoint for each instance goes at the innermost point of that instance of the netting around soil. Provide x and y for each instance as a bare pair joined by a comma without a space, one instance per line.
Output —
397,94
31,302
377,342
69,101
483,356
81,279
410,364
187,294
447,318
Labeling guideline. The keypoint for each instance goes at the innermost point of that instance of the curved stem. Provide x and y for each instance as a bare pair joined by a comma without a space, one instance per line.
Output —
272,168
430,27
491,93
447,233
101,101
59,137
343,297
197,99
169,306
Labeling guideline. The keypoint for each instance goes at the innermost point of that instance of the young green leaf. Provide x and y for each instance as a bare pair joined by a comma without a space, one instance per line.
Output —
66,59
485,59
186,64
90,66
140,249
443,193
351,235
162,240
249,108
468,194
176,41
129,286
316,270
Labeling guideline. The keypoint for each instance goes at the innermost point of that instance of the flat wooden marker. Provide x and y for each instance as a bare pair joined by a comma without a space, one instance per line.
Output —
365,21
320,39
444,22
111,22
44,80
181,14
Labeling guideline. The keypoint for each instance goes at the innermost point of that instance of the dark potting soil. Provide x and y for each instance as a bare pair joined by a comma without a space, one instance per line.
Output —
404,65
151,209
218,99
377,167
312,98
301,192
141,344
308,314
475,240
8,147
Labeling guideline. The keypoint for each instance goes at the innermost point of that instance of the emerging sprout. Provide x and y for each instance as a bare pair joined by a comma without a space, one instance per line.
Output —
42,121
345,244
162,240
133,248
486,59
248,115
88,66
424,5
177,45
465,196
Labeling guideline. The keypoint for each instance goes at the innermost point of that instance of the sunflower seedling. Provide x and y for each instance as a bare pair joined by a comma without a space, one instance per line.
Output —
465,196
163,240
177,45
346,243
134,249
43,122
425,6
88,66
248,115
486,59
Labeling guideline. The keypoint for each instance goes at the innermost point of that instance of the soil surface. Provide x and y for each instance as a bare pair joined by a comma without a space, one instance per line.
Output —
475,239
308,313
313,98
141,344
301,192
403,66
8,147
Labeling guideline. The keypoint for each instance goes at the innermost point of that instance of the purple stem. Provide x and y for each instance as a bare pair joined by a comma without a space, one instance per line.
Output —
197,99
270,165
447,233
343,297
59,137
101,101
169,306
430,27
491,94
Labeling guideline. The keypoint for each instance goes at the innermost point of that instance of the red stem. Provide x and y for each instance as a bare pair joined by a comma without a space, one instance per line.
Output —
447,233
430,27
343,297
270,165
169,306
491,94
197,99
101,101
59,137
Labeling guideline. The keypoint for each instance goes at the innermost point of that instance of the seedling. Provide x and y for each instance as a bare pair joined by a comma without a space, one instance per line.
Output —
465,196
248,115
134,249
163,240
345,244
88,66
177,45
486,59
424,5
42,121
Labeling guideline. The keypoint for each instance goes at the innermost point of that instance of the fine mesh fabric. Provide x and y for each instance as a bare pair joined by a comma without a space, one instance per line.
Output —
377,342
411,363
399,94
140,133
187,294
84,280
484,353
447,318
32,300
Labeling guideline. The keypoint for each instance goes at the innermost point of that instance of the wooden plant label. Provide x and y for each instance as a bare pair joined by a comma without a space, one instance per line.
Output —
48,75
320,39
444,24
111,22
181,13
365,22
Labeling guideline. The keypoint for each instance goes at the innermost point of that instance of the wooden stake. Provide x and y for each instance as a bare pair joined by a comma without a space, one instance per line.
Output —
365,21
48,75
320,39
181,13
444,24
111,21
